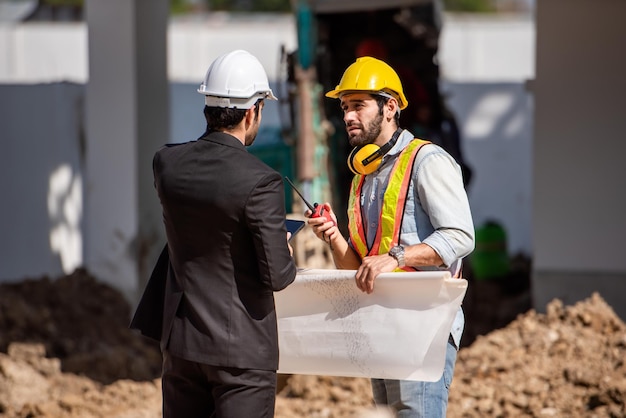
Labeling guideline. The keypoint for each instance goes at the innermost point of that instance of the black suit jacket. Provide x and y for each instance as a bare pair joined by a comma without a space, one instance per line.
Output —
224,216
148,317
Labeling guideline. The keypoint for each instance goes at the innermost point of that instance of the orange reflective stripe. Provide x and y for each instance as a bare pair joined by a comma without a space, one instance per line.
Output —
355,220
388,234
390,221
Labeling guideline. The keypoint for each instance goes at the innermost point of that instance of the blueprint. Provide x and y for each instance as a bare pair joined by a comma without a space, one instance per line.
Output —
327,326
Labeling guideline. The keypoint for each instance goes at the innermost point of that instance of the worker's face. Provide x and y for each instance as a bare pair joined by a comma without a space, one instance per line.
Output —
362,117
252,132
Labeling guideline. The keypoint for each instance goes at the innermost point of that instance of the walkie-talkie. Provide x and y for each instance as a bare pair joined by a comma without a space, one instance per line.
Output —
318,211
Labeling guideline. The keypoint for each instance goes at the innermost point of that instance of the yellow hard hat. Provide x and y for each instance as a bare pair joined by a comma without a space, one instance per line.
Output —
371,75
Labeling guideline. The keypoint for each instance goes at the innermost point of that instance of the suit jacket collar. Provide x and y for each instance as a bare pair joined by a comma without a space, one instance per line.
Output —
223,139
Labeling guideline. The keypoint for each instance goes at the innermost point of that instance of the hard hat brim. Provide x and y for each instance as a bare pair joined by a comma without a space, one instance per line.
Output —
237,102
333,94
338,93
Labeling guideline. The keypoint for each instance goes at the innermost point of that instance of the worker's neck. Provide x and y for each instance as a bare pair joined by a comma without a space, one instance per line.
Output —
386,135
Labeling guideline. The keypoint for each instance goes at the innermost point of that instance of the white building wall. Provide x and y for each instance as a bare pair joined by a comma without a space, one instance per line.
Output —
487,49
496,123
193,43
42,52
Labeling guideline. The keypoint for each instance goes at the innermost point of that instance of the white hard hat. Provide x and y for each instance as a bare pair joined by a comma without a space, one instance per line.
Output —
235,80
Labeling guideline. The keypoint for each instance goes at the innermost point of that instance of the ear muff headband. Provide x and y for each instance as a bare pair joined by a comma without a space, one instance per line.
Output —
365,159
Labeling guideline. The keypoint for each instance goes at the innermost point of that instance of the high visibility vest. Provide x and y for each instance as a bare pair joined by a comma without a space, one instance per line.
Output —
390,220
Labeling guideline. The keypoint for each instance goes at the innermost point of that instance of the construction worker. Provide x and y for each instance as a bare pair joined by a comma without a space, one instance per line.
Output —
407,210
224,216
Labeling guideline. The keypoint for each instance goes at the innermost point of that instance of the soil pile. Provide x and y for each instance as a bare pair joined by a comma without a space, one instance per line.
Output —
566,363
66,352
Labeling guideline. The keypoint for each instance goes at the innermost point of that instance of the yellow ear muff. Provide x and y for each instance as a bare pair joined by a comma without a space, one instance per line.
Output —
365,159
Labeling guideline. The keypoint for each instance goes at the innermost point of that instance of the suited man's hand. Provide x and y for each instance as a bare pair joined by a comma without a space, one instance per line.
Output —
289,245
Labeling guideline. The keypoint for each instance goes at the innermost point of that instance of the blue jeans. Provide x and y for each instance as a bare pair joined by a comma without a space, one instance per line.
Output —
412,399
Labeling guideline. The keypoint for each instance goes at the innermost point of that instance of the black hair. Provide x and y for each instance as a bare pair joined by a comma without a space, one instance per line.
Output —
222,118
382,101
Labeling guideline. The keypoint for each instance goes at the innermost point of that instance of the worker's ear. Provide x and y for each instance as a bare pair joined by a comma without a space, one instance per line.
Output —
391,108
249,117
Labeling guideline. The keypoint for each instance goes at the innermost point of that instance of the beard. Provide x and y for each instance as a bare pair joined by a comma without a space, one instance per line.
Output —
369,132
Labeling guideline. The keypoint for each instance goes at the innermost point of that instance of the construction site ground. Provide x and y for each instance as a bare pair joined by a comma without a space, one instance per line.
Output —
66,352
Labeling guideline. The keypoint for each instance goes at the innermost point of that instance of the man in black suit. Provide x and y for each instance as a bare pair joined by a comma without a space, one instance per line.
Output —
224,216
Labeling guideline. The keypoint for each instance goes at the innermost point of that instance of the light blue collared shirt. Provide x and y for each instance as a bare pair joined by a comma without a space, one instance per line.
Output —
436,213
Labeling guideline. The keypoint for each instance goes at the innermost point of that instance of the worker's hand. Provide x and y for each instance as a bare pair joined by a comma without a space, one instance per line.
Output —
322,211
371,267
325,226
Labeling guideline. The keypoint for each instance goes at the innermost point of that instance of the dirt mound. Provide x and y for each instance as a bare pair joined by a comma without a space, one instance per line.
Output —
81,321
566,363
66,351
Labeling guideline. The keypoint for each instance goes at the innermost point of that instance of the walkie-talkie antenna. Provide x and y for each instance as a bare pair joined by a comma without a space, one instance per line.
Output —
310,206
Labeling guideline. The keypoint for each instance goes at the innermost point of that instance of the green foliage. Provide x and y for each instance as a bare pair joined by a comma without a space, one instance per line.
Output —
274,5
182,6
179,6
250,5
63,2
480,6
